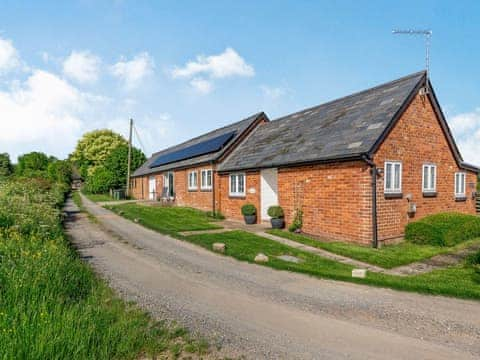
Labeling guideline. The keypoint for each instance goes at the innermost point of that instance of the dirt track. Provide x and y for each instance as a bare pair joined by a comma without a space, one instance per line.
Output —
264,313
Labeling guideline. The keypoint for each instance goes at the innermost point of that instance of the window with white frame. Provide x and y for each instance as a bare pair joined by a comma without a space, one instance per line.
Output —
393,177
429,178
192,180
206,183
460,184
237,184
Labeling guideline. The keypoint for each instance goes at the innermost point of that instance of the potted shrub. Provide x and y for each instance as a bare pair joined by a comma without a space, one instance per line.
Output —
276,214
249,213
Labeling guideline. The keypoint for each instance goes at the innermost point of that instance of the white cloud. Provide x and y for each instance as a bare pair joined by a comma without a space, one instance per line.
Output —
40,114
273,93
227,64
466,130
134,71
201,85
9,58
82,66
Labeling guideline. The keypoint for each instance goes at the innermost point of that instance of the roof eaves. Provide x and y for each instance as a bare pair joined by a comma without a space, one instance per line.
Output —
326,160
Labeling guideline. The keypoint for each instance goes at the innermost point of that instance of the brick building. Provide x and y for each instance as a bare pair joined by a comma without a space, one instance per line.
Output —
321,160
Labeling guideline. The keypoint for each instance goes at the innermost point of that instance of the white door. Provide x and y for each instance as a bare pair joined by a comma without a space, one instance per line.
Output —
152,188
268,191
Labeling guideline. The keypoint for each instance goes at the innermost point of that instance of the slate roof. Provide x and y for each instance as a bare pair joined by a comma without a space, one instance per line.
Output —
344,128
239,127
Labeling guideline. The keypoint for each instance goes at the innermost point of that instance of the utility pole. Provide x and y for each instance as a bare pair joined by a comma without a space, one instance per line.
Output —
129,161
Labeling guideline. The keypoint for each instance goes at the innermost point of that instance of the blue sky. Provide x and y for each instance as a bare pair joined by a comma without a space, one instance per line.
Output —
181,68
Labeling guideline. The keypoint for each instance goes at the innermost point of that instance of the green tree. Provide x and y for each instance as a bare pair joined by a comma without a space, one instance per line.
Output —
6,167
100,181
60,171
93,148
117,161
33,164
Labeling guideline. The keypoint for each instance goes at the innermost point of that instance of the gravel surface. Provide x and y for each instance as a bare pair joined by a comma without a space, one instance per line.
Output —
258,312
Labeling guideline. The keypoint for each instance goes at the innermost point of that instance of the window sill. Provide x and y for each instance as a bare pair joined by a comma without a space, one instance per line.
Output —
393,195
429,194
239,196
460,198
193,190
206,190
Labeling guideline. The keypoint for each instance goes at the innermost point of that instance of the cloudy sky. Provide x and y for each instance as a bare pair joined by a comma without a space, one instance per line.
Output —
181,68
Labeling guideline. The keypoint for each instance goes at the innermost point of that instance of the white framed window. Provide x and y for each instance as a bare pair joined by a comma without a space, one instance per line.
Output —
206,183
237,184
192,180
429,178
460,180
393,177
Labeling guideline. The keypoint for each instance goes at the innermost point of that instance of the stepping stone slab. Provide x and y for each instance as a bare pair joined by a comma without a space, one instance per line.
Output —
261,258
359,273
290,258
219,247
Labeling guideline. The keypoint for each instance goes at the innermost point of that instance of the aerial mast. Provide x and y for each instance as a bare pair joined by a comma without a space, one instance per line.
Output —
427,34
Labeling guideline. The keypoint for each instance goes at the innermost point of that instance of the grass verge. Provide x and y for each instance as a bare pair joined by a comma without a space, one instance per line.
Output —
167,220
460,281
388,256
52,306
99,197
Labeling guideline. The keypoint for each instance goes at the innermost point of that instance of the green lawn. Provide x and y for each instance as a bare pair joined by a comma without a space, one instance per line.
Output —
461,281
388,257
99,197
168,220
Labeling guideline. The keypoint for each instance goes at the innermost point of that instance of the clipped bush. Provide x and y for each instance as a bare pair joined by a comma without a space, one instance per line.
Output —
249,210
275,212
445,229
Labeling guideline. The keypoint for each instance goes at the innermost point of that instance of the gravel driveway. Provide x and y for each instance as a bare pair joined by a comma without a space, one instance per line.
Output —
259,312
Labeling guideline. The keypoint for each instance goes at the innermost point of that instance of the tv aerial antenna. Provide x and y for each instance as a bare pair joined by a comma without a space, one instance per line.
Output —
428,35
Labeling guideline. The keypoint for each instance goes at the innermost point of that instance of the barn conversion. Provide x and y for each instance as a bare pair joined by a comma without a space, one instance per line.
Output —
359,167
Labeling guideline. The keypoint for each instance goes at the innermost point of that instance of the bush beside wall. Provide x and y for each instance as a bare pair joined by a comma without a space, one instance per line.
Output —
446,229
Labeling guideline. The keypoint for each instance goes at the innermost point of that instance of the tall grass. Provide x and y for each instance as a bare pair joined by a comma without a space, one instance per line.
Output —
52,306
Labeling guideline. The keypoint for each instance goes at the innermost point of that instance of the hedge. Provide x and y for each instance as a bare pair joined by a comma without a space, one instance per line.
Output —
445,229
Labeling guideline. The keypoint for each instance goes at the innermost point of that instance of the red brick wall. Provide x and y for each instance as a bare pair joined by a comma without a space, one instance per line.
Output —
200,199
231,206
335,199
416,139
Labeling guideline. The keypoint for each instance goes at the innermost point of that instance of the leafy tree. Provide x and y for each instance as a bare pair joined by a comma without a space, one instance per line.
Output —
60,171
117,162
93,148
33,164
100,181
6,167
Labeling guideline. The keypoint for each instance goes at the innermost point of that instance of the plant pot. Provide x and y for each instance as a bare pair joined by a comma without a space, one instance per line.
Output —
250,219
277,223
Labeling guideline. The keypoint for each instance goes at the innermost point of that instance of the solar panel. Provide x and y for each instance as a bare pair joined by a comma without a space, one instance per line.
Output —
205,147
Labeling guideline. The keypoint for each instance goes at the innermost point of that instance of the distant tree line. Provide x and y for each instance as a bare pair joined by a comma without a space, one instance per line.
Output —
101,157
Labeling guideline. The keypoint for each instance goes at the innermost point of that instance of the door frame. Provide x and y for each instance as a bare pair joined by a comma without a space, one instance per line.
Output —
263,192
152,194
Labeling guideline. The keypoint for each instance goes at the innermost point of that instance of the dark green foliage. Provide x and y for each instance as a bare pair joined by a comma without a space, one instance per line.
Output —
33,164
60,171
474,259
100,181
446,229
116,163
275,212
297,221
6,167
249,210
